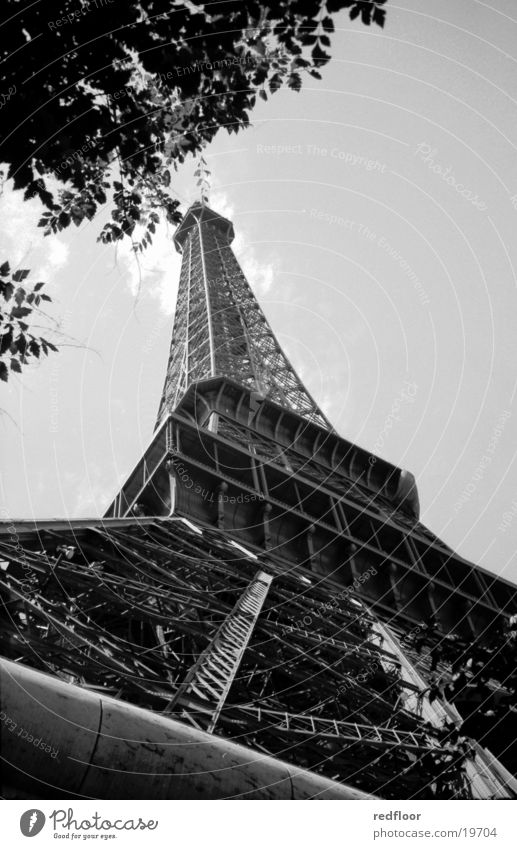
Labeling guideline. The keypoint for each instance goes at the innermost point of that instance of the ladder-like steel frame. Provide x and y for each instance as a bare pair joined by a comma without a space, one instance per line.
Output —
220,329
210,678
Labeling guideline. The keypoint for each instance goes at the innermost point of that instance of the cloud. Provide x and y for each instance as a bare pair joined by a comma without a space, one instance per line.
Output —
259,274
156,271
94,490
23,243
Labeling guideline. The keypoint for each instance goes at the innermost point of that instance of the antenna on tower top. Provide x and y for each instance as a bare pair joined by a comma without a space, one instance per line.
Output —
203,179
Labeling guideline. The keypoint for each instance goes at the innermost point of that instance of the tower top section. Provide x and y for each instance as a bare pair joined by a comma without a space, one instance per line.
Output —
219,328
200,213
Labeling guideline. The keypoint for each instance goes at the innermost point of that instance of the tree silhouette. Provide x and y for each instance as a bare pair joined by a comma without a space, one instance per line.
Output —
104,98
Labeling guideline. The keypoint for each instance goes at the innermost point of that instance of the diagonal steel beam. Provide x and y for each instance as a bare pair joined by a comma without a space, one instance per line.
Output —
209,680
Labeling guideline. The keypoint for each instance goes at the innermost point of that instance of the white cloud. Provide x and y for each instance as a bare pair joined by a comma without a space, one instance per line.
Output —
21,240
93,491
259,274
220,203
156,271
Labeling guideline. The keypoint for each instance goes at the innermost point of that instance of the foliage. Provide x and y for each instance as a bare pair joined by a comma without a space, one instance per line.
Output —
106,97
17,346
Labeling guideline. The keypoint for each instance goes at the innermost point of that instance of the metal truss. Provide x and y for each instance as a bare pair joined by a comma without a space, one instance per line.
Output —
247,627
211,677
163,614
220,329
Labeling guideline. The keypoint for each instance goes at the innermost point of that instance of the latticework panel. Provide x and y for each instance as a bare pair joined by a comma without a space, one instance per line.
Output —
130,611
219,329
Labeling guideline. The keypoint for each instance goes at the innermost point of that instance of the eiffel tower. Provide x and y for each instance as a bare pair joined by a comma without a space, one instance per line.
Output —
259,587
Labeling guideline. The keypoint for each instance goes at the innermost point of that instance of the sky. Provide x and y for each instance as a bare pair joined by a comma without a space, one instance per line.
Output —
375,215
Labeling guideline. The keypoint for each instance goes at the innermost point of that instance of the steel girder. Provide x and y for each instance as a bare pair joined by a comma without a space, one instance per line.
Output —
129,609
220,329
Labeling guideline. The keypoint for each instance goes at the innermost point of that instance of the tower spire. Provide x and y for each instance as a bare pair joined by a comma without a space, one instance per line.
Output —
219,327
203,175
257,577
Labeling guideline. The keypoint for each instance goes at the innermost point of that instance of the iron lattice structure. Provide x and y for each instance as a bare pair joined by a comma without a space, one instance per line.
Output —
179,621
219,328
260,584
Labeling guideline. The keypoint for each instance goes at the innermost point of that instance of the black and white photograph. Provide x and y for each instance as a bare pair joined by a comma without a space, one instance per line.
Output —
258,443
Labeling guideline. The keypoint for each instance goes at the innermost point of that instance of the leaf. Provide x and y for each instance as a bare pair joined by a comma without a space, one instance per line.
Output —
319,56
15,366
4,373
20,312
366,15
19,295
45,298
5,269
34,348
38,286
379,17
77,214
20,275
5,341
295,82
7,291
274,84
